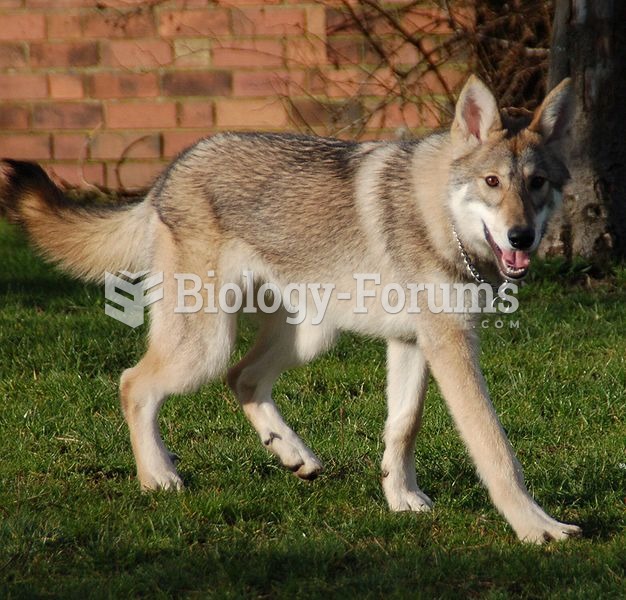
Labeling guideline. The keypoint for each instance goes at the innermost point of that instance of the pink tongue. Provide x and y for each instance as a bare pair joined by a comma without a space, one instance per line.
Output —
516,258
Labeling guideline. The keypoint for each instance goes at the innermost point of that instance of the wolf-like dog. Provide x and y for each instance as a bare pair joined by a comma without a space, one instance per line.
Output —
467,204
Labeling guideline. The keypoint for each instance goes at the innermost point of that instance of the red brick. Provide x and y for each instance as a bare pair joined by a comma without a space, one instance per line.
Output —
253,53
23,87
247,2
339,83
10,3
430,83
316,20
123,85
235,3
14,117
133,54
64,54
117,24
250,114
192,52
25,146
195,114
427,20
408,54
176,141
195,23
113,145
187,4
123,4
377,135
133,175
344,50
464,16
407,115
268,21
23,27
157,115
197,83
305,52
78,174
64,27
12,56
71,146
46,4
268,83
331,115
67,116
339,21
371,55
65,86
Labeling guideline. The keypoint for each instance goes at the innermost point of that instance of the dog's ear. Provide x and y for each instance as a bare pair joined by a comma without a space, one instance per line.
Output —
553,118
476,114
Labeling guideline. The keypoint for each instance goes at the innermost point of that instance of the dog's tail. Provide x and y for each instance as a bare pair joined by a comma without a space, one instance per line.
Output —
86,241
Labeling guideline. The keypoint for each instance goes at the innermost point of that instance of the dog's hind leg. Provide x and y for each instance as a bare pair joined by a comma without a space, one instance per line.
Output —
280,346
143,389
185,350
407,379
180,358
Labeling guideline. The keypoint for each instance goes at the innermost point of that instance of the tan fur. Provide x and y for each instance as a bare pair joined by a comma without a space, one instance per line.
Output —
297,209
85,241
87,245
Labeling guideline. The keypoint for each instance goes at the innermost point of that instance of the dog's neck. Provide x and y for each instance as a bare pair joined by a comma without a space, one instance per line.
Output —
480,273
470,267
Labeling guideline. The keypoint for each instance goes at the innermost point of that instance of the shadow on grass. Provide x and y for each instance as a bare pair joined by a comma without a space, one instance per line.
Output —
40,291
328,566
26,278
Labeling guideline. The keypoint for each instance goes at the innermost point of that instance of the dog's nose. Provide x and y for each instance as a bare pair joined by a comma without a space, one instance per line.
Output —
521,238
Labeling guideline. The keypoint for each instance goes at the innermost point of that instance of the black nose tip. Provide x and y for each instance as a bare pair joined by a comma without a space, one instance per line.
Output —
521,238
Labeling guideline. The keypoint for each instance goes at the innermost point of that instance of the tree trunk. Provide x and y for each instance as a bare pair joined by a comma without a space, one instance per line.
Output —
589,45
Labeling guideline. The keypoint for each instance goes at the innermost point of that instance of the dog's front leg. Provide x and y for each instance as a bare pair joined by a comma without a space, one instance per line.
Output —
452,354
407,378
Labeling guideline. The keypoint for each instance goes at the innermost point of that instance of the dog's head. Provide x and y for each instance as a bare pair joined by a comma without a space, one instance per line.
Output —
507,177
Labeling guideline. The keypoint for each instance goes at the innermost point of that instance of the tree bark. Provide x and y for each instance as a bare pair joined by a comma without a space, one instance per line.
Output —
589,45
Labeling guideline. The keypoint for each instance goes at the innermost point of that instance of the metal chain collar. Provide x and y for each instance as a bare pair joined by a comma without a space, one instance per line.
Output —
469,265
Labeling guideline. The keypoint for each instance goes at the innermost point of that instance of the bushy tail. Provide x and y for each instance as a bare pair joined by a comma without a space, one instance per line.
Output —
86,241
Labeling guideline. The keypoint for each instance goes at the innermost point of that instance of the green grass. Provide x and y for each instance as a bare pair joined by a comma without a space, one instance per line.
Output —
73,523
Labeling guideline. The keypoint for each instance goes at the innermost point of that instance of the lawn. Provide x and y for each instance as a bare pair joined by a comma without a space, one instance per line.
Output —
73,523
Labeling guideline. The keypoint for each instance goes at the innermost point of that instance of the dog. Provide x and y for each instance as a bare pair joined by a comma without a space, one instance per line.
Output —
465,205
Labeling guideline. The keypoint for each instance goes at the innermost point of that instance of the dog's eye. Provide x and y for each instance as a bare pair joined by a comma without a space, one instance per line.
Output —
492,181
536,183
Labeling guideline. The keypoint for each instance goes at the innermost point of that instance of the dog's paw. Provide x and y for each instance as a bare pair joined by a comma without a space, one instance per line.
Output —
162,481
310,469
411,501
546,530
401,499
161,475
293,454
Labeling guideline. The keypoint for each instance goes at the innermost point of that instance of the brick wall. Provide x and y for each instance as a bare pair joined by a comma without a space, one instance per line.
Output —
104,92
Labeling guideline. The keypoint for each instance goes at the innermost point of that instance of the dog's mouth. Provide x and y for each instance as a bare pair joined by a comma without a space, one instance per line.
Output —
513,264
